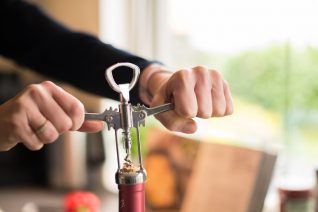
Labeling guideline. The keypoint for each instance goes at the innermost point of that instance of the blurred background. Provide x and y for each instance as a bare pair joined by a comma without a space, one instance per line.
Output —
266,50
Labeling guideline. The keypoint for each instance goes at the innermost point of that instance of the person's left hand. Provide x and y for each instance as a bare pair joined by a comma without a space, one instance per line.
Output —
196,92
39,114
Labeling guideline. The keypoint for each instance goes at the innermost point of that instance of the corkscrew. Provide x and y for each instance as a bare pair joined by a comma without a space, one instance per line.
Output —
129,177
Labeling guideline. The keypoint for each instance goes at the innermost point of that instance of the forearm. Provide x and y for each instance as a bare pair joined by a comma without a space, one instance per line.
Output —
33,39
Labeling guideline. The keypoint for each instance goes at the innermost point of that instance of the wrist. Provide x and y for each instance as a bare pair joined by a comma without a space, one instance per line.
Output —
151,80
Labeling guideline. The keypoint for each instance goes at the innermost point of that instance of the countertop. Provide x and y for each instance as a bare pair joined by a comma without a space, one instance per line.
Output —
25,199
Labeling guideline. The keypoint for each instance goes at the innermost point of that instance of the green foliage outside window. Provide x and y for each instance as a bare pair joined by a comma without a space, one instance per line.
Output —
279,77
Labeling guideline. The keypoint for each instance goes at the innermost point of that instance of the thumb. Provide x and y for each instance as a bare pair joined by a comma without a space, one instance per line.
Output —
171,120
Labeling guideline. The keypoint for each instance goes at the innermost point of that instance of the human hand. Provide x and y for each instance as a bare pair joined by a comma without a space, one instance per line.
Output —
39,114
196,92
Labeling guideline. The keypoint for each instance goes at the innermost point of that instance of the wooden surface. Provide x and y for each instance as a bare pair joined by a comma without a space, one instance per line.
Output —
188,175
223,179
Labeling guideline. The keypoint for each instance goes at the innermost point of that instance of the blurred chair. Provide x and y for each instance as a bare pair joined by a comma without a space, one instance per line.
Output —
188,175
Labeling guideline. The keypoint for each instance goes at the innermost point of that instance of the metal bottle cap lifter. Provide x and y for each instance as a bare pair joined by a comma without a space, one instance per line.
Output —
129,177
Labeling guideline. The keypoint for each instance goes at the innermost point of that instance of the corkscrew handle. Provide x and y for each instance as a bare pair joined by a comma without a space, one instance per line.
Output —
110,79
132,198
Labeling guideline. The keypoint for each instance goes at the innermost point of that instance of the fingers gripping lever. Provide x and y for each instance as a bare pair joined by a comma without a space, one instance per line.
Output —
138,113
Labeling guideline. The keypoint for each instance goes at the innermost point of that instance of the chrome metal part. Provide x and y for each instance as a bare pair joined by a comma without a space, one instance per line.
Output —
110,79
140,112
124,118
111,117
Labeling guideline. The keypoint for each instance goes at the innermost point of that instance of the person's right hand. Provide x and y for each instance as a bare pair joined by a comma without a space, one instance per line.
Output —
39,114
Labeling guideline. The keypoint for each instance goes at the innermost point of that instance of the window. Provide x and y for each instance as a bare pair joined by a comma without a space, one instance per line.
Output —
267,50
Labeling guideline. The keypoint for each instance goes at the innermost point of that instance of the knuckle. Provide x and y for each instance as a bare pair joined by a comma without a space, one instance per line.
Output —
76,109
218,114
19,105
182,78
51,136
204,114
76,113
200,68
216,76
35,146
203,78
64,125
36,92
219,111
15,122
183,74
48,84
186,113
229,111
33,88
